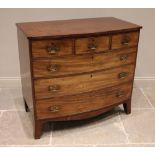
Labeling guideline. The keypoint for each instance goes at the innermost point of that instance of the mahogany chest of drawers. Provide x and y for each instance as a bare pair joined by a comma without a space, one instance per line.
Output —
76,69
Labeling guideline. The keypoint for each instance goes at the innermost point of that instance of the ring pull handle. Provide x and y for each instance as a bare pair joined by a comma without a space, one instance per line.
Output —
125,40
52,49
52,67
122,75
54,108
53,88
92,46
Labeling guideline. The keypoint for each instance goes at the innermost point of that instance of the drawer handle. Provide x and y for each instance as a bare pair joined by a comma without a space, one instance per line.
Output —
54,108
123,57
52,68
52,49
122,75
120,94
125,40
92,47
53,88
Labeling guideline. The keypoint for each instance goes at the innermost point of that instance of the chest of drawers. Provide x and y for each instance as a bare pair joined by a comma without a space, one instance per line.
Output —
76,69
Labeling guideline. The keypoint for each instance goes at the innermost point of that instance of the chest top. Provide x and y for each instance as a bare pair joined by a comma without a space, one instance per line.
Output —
75,27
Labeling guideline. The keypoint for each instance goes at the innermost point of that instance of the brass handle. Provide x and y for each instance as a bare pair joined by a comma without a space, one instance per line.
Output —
54,108
92,47
53,88
52,49
52,68
120,94
122,75
125,40
123,57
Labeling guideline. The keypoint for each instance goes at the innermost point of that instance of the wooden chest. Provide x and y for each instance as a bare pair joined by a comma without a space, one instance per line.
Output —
76,69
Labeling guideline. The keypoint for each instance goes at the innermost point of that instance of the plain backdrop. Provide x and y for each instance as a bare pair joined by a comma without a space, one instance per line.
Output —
9,59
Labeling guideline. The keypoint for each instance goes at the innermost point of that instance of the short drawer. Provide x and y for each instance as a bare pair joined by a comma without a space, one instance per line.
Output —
125,40
82,63
49,48
76,104
92,44
47,88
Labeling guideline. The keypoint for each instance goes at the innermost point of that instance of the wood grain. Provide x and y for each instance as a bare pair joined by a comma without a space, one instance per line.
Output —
82,83
82,63
25,70
40,48
117,40
75,27
82,45
76,104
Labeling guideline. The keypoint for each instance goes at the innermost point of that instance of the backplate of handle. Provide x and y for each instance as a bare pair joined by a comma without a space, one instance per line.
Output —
123,57
52,49
125,40
122,75
54,108
120,94
53,88
52,67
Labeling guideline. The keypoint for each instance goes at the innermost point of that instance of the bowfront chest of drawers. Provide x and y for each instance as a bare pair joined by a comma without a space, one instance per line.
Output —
76,69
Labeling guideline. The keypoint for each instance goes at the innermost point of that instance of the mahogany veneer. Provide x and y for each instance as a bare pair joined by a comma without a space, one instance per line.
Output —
76,69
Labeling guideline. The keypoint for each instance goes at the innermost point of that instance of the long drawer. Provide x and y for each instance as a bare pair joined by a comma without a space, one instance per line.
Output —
82,63
47,88
75,104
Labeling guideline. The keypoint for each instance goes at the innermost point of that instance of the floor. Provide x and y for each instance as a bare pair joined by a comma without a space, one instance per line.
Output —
113,128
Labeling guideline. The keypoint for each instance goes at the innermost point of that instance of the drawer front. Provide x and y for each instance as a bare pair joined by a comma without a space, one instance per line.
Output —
114,59
76,104
125,40
82,63
46,88
93,44
62,66
49,48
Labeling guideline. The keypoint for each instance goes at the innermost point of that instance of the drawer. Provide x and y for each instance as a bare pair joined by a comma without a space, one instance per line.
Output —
76,104
47,88
92,44
49,48
82,63
125,40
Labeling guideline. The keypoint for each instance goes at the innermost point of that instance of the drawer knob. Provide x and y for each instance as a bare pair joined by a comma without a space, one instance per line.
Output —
54,108
123,57
53,88
52,68
52,49
120,94
125,40
92,47
122,75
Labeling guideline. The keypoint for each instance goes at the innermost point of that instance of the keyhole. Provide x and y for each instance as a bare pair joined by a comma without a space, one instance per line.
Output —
92,57
91,75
